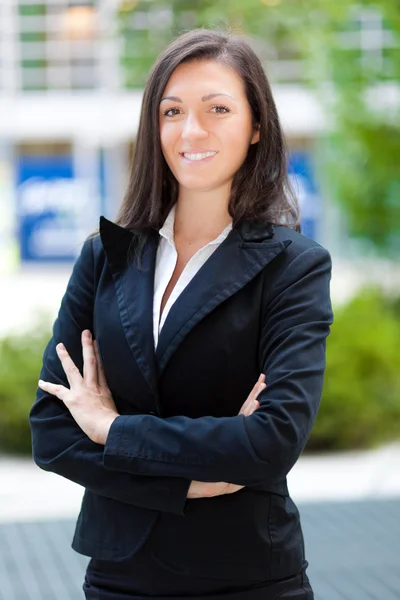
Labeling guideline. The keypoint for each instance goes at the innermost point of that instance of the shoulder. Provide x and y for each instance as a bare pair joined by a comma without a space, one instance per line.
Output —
96,245
91,256
302,256
303,265
299,243
91,248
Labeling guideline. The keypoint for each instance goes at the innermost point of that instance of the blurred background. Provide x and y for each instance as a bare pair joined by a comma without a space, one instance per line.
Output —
71,79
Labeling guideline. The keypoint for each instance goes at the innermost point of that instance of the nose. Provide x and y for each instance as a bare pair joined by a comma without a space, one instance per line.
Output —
193,129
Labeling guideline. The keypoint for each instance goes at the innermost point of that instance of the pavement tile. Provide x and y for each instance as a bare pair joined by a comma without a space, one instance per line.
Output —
353,549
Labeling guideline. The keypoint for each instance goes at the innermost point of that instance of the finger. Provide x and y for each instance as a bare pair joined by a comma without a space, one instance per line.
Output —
245,406
71,370
53,388
233,488
257,389
251,396
254,404
100,371
218,489
247,411
89,360
261,388
254,407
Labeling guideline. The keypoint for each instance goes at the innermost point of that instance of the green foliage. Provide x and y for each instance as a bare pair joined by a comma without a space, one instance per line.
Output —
20,364
360,405
362,170
363,147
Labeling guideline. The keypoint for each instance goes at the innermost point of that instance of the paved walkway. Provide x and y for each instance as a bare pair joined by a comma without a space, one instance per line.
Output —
353,549
349,504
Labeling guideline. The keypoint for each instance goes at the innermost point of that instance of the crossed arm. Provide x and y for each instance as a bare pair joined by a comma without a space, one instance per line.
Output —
90,402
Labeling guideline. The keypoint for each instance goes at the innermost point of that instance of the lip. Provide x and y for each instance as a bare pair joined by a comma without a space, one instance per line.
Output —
197,163
196,151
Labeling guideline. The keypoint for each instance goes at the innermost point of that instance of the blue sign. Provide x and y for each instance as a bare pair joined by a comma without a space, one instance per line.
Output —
303,183
56,211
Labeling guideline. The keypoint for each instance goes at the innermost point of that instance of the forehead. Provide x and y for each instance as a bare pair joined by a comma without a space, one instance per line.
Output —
204,76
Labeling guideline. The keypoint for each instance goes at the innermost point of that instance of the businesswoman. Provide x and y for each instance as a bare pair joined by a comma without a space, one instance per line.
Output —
187,360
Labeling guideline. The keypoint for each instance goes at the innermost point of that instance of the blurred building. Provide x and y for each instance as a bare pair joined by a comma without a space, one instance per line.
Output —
71,74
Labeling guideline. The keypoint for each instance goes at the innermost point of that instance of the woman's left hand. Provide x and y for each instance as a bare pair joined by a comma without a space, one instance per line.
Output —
89,399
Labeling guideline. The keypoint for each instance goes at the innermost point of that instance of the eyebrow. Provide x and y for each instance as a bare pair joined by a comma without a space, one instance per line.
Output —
203,99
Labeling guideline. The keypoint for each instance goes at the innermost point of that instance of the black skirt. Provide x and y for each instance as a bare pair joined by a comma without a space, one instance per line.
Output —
143,577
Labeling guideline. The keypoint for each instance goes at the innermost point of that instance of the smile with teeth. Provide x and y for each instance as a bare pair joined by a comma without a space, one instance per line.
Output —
198,156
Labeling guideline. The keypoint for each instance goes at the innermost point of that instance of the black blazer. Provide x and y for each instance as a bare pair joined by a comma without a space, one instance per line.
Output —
260,303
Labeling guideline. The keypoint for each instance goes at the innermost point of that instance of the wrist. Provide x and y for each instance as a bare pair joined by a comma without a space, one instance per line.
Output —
104,428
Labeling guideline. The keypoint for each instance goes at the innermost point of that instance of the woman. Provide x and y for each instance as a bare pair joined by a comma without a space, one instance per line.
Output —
202,284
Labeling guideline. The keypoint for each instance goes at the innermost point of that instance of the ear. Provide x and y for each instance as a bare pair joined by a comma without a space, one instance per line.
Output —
256,134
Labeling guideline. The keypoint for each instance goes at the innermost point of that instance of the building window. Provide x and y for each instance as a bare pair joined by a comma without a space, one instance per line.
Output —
59,45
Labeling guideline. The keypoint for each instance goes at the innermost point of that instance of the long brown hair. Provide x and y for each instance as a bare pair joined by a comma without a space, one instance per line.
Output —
260,189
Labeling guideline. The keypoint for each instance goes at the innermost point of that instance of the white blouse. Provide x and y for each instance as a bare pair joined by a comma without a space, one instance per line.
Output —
165,265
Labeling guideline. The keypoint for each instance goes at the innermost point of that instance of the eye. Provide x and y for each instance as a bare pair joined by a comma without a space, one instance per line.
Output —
171,112
220,109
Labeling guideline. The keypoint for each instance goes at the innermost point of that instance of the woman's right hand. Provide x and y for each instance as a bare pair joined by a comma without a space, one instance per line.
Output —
204,489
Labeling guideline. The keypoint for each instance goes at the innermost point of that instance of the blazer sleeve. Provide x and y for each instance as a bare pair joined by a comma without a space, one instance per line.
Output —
58,443
262,448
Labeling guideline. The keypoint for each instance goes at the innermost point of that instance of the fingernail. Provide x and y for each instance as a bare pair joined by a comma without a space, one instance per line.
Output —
87,334
60,346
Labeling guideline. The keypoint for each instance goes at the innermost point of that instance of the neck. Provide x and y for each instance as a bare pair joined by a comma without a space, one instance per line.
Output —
201,215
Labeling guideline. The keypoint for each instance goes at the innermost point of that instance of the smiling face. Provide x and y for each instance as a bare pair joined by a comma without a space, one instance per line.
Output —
205,125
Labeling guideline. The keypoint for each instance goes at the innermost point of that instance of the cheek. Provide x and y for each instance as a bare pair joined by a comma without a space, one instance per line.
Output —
168,138
238,130
238,141
164,142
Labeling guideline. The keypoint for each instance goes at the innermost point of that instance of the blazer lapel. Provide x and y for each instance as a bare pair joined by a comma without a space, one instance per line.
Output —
134,288
242,255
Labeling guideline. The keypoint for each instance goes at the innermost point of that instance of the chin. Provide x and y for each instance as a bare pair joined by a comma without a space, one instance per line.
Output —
202,183
198,186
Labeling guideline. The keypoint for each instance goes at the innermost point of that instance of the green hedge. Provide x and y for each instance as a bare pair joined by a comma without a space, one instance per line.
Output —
361,400
360,405
20,364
